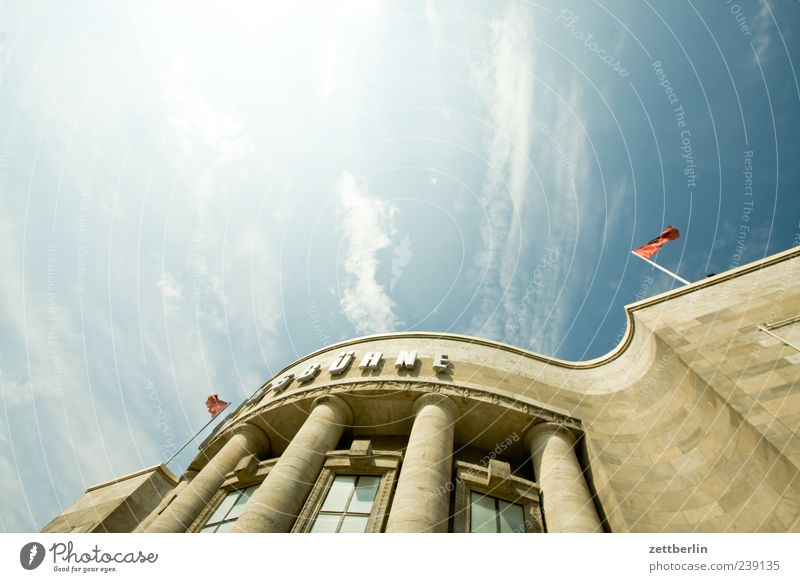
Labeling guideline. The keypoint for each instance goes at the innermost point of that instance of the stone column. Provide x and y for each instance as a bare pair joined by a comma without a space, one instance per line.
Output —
566,500
147,521
275,505
247,439
422,499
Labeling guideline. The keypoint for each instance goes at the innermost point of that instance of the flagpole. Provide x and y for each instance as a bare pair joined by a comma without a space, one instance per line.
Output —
194,436
657,266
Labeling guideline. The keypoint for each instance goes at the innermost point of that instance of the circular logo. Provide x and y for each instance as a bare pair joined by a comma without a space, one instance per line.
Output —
31,555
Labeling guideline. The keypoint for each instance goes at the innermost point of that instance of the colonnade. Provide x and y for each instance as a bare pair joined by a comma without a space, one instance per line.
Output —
418,504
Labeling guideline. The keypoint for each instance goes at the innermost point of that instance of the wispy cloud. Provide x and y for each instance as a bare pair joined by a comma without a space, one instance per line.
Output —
170,290
225,286
43,370
537,156
762,31
506,85
575,210
199,124
366,223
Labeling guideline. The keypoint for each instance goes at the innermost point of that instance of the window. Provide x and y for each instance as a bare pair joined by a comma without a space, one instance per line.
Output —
493,499
347,505
493,515
352,491
228,511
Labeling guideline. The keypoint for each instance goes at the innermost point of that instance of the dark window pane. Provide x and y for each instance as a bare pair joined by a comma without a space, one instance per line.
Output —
512,519
482,514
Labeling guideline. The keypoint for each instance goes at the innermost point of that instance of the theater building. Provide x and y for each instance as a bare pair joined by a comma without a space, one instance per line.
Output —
690,424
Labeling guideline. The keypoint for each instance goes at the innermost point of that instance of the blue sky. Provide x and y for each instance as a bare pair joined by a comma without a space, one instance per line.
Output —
194,195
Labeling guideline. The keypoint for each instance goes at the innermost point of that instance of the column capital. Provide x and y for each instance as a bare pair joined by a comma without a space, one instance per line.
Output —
338,404
547,428
257,438
440,400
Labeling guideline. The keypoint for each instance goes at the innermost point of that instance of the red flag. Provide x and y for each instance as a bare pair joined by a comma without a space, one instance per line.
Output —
215,405
649,249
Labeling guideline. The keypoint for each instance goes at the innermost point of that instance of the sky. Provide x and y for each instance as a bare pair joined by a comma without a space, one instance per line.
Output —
193,195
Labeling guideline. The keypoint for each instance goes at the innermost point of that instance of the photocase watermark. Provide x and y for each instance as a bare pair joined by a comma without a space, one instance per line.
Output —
499,448
470,18
81,239
747,208
562,159
656,371
316,323
31,555
9,140
552,500
741,19
401,256
568,19
535,285
67,559
53,342
687,152
198,264
167,448
641,293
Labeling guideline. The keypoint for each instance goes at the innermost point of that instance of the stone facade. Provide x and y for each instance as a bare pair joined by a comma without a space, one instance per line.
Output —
690,424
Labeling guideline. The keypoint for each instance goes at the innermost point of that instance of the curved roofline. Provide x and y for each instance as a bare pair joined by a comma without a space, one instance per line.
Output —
615,352
223,428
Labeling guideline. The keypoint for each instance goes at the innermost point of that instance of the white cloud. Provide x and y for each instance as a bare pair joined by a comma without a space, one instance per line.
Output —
574,211
537,151
14,393
366,224
762,31
45,373
170,290
506,85
197,123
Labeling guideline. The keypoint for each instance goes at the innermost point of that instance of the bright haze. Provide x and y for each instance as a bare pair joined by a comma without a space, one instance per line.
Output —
193,195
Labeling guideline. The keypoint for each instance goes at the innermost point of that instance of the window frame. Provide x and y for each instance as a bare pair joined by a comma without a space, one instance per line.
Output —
247,473
346,511
495,481
496,501
222,498
359,461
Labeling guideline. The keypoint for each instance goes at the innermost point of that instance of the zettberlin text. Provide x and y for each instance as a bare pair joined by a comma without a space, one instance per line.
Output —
673,549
